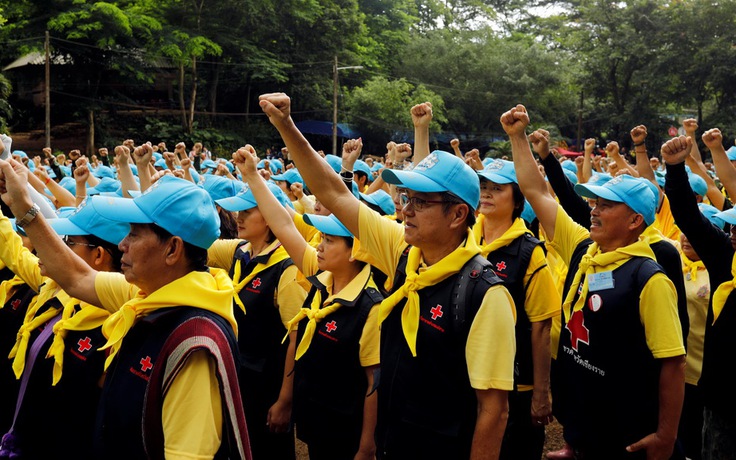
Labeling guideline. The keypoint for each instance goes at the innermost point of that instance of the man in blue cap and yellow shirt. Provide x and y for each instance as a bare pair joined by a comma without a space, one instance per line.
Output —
446,365
171,334
620,359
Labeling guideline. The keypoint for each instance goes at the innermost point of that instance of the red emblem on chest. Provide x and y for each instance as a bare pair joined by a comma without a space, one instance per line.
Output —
15,304
578,331
436,312
501,266
84,344
146,364
331,326
256,283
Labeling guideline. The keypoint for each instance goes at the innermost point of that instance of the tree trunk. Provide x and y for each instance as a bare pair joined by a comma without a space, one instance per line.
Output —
91,133
182,105
192,103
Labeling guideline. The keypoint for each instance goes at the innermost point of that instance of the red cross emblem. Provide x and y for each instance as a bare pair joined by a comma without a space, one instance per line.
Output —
331,326
578,331
256,283
146,364
436,312
15,304
501,266
84,344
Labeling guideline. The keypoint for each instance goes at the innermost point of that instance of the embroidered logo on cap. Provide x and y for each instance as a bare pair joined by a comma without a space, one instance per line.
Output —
429,162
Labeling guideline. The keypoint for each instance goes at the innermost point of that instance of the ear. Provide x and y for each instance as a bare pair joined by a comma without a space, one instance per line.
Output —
101,257
174,251
636,221
459,215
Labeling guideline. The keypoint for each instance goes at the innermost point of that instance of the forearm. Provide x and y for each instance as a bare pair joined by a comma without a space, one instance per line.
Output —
62,195
714,194
573,204
144,175
586,172
286,394
643,167
370,416
127,180
541,358
490,425
671,394
421,143
725,170
532,184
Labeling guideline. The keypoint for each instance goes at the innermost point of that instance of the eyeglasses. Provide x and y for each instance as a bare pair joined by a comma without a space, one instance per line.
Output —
68,242
418,204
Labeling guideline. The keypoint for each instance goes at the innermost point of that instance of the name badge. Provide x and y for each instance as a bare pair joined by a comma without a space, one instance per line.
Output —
600,281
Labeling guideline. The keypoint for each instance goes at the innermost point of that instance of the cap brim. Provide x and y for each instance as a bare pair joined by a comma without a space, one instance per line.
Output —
412,181
495,177
279,177
236,203
369,199
63,226
727,216
119,210
597,191
326,225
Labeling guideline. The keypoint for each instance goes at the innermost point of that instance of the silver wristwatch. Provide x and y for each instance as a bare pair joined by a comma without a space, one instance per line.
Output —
30,215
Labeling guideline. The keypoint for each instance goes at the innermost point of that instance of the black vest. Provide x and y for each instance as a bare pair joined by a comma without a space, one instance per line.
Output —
120,416
260,330
67,410
607,397
329,381
510,264
720,343
11,319
431,393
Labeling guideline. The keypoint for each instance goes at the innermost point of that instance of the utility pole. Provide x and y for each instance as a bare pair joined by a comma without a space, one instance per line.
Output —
580,123
335,68
47,90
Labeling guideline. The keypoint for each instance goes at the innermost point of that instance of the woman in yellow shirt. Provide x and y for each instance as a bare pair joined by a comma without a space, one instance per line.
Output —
338,352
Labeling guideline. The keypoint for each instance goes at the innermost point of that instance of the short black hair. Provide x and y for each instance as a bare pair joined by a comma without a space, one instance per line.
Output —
519,201
451,200
197,256
112,249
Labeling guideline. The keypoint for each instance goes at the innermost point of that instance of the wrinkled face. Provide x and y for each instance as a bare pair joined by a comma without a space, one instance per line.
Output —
333,253
251,224
144,257
609,222
426,222
496,200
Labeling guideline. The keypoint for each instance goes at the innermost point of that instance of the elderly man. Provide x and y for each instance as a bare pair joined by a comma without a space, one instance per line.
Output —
447,340
171,388
621,355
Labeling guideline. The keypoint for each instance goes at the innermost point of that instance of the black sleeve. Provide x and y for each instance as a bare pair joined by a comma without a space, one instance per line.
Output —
573,204
104,159
711,243
55,168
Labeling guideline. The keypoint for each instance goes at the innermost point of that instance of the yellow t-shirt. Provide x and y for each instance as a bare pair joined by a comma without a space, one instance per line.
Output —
192,407
698,294
657,301
17,257
491,344
369,338
665,222
289,294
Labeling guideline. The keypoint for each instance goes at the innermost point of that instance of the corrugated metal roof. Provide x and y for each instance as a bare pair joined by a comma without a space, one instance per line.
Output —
38,58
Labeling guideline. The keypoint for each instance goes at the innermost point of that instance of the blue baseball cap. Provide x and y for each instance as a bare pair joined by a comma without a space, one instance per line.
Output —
728,216
362,166
329,225
50,172
698,184
528,213
499,172
381,199
103,171
85,220
176,205
711,213
157,156
731,153
134,169
220,187
160,163
271,165
599,179
571,176
654,189
69,184
660,177
439,171
105,185
20,153
570,166
632,191
487,161
245,200
377,167
334,161
207,164
290,175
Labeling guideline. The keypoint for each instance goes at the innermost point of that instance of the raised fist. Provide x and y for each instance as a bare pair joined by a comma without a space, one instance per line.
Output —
638,134
690,125
515,121
713,138
277,106
421,114
676,150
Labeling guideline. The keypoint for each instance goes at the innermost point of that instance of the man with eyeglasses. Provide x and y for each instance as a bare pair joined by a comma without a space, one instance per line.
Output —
447,332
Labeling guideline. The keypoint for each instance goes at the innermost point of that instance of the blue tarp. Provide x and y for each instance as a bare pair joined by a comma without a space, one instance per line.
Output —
324,128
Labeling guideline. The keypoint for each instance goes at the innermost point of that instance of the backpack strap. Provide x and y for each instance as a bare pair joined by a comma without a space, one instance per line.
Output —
473,271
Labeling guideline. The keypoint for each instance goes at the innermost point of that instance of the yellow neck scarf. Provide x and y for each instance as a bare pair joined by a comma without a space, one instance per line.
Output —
319,310
278,255
48,291
88,318
211,291
7,287
688,266
723,291
517,229
593,261
652,235
448,266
